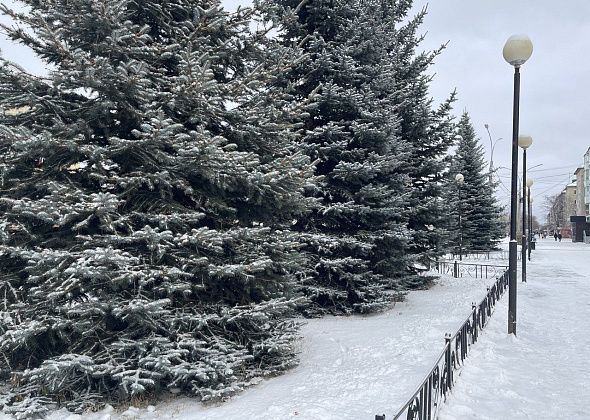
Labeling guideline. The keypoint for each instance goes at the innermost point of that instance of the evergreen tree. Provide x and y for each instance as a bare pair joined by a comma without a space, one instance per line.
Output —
145,198
429,132
481,217
357,236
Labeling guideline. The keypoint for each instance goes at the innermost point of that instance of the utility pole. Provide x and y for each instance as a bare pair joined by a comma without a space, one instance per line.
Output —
492,147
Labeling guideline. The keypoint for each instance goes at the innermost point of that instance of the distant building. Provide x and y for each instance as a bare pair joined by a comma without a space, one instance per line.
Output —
578,219
569,197
586,185
570,209
581,206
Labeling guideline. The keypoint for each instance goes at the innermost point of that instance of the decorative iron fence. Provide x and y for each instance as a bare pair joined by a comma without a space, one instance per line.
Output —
462,269
425,403
484,255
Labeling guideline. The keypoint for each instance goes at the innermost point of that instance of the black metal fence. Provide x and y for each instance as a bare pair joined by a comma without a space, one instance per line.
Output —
462,269
425,403
484,255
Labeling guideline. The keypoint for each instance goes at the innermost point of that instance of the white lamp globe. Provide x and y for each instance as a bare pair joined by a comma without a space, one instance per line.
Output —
517,50
459,178
525,141
529,182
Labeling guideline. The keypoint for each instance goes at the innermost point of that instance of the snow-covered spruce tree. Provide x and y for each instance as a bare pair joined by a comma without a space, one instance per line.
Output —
357,236
429,132
144,195
481,216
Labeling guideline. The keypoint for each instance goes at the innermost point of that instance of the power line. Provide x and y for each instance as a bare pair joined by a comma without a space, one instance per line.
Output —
551,176
503,186
550,188
542,177
555,168
541,170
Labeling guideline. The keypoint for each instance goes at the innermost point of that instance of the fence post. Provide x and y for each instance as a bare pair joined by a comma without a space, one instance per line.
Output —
448,362
464,343
474,332
428,414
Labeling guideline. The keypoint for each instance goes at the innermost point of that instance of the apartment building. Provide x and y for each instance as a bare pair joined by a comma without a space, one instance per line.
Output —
569,208
580,218
586,184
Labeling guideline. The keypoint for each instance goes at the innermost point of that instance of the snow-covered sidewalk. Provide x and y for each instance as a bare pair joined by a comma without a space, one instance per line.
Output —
544,372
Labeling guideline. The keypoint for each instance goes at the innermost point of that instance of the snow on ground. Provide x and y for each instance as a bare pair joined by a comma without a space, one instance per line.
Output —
543,373
353,368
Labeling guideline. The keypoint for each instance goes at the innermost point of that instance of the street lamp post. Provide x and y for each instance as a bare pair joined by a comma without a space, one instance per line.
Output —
530,184
524,142
459,178
516,52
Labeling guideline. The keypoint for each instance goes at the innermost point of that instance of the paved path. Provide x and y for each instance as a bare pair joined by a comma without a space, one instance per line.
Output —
544,372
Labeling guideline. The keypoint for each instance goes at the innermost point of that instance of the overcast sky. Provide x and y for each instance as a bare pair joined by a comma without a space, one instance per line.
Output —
554,83
555,89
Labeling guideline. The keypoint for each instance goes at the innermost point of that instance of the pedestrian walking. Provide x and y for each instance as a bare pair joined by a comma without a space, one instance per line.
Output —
559,236
555,236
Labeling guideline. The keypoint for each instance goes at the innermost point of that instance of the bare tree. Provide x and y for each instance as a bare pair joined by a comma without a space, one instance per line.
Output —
554,205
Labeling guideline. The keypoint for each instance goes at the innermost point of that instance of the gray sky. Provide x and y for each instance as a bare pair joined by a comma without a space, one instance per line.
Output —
554,82
555,88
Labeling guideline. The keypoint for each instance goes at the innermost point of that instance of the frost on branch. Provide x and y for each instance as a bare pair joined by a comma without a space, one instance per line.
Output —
144,240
